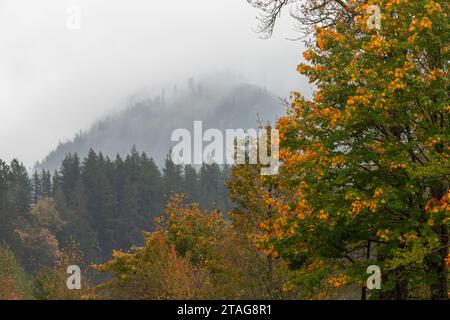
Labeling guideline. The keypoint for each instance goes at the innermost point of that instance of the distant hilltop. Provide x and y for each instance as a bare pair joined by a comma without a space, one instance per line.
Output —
149,123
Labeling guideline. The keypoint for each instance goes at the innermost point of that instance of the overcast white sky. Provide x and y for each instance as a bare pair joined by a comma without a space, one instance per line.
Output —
55,81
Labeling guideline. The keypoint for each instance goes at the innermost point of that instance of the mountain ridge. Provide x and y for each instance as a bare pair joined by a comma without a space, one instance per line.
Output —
148,124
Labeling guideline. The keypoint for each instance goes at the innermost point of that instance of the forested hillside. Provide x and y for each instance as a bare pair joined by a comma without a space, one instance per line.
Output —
148,124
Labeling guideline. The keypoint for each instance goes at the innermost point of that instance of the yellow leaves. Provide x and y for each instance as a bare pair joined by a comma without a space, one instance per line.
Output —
408,237
432,76
361,100
315,265
321,38
264,226
377,45
320,43
268,200
361,20
395,85
334,118
412,236
318,96
396,165
326,35
433,7
378,193
119,254
308,55
359,206
303,68
360,90
435,74
393,2
412,38
295,104
303,210
425,23
283,125
350,101
338,281
412,26
291,160
295,95
323,216
433,141
408,66
337,161
279,227
331,114
398,73
287,287
439,208
372,205
376,42
384,234
379,149
319,68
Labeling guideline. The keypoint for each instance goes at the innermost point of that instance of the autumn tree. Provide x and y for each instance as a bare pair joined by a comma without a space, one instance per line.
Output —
153,271
45,215
50,282
192,254
256,216
14,283
366,161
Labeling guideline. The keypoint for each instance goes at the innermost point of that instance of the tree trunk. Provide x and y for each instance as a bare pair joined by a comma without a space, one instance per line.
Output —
435,263
400,290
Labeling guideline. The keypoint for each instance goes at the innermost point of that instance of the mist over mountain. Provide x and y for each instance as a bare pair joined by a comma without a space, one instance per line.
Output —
148,123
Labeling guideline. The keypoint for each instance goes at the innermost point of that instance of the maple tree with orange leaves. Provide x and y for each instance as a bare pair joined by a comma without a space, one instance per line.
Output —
365,164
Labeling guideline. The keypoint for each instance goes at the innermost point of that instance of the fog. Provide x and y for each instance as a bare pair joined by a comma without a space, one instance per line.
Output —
55,81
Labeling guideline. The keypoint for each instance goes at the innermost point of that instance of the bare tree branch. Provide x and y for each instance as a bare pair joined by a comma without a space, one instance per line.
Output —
308,13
